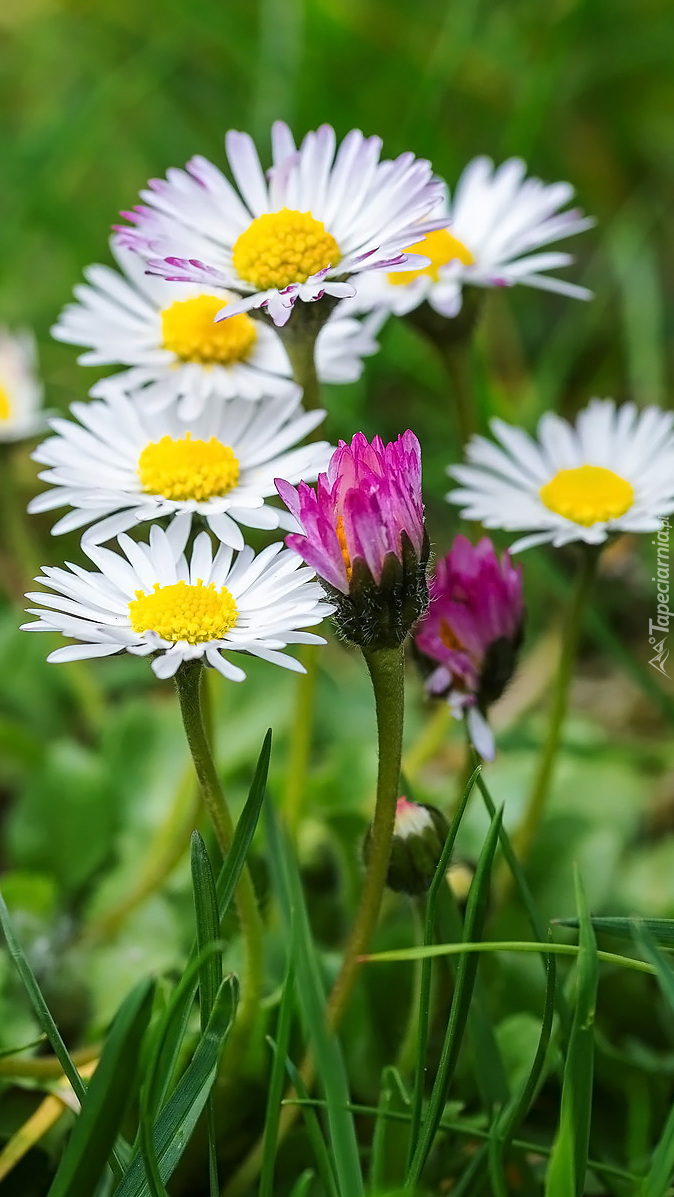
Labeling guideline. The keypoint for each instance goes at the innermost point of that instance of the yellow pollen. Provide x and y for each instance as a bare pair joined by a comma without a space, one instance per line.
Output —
182,612
441,247
449,637
5,405
283,247
343,546
588,495
185,469
189,331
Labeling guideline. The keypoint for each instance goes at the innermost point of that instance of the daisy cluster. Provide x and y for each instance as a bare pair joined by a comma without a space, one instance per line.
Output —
203,421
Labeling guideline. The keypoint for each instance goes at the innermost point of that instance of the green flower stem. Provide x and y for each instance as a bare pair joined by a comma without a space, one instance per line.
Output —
300,348
299,748
387,669
189,681
453,339
525,834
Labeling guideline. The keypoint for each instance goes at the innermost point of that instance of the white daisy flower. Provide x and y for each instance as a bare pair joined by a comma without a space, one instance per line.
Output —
21,392
153,601
120,466
611,472
321,216
497,219
166,333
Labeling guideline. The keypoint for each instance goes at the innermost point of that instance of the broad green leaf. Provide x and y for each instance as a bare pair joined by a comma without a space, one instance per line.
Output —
108,1095
568,1162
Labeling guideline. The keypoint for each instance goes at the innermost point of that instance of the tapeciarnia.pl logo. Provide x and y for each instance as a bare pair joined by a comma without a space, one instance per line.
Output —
660,625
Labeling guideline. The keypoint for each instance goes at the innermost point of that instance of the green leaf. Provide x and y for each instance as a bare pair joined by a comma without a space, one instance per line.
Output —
108,1095
425,985
323,1158
389,1143
506,1124
210,974
245,830
173,1127
568,1162
303,1184
276,1084
476,913
658,1180
659,930
311,997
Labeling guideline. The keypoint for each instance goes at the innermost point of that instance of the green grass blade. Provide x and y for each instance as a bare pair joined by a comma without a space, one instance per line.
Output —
324,1162
476,913
39,1005
659,930
389,1146
303,1184
568,1162
425,985
108,1094
311,998
174,1125
276,1083
210,973
507,1122
490,1073
658,1179
245,830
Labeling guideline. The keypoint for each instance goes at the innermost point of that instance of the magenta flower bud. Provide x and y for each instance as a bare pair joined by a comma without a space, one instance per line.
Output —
469,638
363,533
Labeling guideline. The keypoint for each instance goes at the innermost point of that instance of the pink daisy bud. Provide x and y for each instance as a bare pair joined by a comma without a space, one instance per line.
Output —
469,638
363,533
418,840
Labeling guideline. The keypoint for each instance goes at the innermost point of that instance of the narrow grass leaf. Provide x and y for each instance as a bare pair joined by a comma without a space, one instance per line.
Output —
568,1162
659,930
311,997
506,1124
476,913
276,1083
389,1146
658,1179
245,830
108,1094
303,1184
425,985
210,974
174,1125
322,1157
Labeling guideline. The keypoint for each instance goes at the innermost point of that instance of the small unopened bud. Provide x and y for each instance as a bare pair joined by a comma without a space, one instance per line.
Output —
418,840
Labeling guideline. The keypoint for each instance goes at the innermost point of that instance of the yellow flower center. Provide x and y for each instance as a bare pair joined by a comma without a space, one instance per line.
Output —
283,247
185,469
182,612
189,331
5,405
588,495
441,247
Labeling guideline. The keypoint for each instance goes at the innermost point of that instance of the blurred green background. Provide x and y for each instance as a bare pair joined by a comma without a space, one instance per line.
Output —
97,97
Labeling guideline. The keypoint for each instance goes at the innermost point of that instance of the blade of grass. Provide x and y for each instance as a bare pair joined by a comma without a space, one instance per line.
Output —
661,931
658,1179
311,997
225,887
568,1162
389,1147
510,1117
505,945
108,1094
425,984
210,973
476,913
44,1017
303,1184
174,1126
276,1083
490,1073
324,1162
